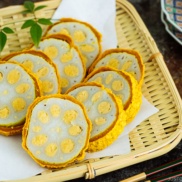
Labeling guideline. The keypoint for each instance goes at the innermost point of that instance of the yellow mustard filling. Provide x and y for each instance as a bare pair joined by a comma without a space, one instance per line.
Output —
98,80
4,112
39,140
100,121
82,96
117,85
64,82
22,88
19,104
51,149
79,36
66,57
114,63
71,70
13,76
1,76
55,110
85,60
36,129
28,65
126,65
96,96
109,78
69,116
43,116
104,107
75,130
64,31
87,48
47,86
67,145
42,72
51,51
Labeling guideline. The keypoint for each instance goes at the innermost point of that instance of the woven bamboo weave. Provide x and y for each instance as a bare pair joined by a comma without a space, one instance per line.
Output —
153,137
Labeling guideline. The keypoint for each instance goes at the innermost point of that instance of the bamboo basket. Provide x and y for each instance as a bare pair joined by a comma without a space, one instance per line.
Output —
153,137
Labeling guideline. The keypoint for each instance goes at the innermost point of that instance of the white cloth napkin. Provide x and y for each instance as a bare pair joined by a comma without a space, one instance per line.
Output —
15,163
99,13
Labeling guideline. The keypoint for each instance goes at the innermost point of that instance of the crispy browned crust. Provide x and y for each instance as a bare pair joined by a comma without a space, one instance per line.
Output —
63,20
60,37
84,84
55,36
97,34
107,137
26,128
105,68
40,54
17,129
70,42
118,50
133,104
13,130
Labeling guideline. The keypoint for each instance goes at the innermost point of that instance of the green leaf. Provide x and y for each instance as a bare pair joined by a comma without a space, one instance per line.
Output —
39,7
36,33
44,21
7,30
26,12
29,6
3,39
27,23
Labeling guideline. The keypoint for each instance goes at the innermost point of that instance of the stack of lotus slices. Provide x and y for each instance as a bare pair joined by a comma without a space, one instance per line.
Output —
69,97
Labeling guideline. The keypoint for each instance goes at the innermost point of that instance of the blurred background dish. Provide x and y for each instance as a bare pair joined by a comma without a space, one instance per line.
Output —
173,11
173,31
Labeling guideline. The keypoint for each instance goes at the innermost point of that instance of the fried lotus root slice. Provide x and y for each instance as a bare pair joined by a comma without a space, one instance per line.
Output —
84,36
123,85
67,58
56,131
122,59
18,89
41,66
104,110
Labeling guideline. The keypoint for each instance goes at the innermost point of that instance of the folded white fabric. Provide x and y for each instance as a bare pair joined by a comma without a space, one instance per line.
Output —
100,14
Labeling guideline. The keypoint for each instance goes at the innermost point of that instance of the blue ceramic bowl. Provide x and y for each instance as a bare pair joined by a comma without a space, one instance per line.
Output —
173,11
172,30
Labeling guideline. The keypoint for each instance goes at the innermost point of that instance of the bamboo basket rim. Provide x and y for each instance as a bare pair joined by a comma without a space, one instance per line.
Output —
90,169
